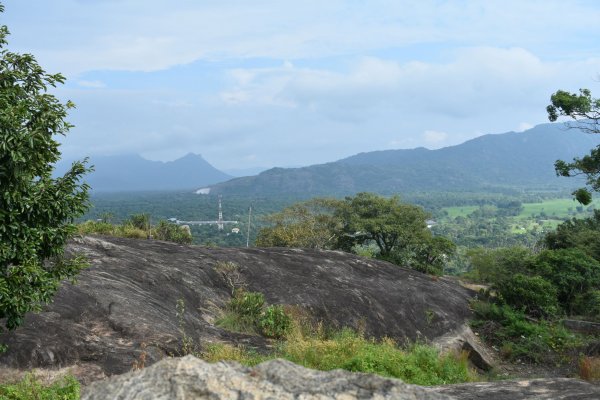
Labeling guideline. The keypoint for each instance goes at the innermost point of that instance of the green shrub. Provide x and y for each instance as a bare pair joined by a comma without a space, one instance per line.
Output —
139,221
171,233
532,294
519,337
247,304
571,271
588,304
346,349
274,322
30,388
98,227
234,322
130,231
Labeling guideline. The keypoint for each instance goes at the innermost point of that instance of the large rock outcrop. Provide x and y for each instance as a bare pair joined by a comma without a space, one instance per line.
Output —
124,304
189,378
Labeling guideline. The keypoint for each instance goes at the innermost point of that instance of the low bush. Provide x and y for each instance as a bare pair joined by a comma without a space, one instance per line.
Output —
130,231
30,388
346,349
246,313
274,322
532,294
221,351
172,233
98,227
138,227
247,304
234,322
521,338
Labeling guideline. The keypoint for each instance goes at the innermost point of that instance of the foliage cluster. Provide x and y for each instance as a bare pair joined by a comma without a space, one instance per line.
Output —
585,110
398,230
247,312
31,388
36,210
346,349
138,226
543,284
518,337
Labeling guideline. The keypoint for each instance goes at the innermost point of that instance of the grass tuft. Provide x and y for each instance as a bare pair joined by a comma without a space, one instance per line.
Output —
349,350
30,388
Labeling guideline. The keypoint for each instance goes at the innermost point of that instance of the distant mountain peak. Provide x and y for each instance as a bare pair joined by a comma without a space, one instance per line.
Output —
132,172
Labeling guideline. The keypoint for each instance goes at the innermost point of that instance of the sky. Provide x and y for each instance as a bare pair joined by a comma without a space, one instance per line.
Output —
263,83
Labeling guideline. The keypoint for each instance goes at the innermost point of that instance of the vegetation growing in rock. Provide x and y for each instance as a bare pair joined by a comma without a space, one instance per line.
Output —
349,350
30,388
246,312
138,226
518,337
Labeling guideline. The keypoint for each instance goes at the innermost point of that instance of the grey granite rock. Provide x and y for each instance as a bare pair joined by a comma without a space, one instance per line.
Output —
190,378
123,305
541,389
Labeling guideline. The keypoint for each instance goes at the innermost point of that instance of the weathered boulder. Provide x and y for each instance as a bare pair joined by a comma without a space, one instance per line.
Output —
124,304
540,389
190,378
463,339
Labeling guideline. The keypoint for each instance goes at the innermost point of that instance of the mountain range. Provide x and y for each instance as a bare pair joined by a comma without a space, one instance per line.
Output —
134,173
490,162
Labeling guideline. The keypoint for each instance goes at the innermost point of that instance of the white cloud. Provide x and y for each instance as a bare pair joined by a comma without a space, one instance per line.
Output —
148,35
523,126
91,84
434,137
293,83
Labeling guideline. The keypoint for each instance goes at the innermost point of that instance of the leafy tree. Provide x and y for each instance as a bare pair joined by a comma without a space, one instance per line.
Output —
391,224
309,224
571,271
577,233
585,110
495,265
531,294
36,210
430,256
397,231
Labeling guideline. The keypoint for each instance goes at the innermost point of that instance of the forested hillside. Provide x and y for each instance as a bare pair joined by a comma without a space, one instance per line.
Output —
490,162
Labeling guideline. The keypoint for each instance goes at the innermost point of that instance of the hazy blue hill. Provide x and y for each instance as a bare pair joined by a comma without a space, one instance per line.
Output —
513,159
134,173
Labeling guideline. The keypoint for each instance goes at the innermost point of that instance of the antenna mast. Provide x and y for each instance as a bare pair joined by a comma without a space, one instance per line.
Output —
220,220
248,233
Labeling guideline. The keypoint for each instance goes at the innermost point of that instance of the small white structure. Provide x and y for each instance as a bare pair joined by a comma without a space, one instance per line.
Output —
203,191
235,230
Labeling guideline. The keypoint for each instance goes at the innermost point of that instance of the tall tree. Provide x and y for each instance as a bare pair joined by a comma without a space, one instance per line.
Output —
585,111
388,222
310,224
36,210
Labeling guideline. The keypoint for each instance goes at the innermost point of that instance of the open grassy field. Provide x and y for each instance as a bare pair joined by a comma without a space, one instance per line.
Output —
460,211
557,208
553,209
